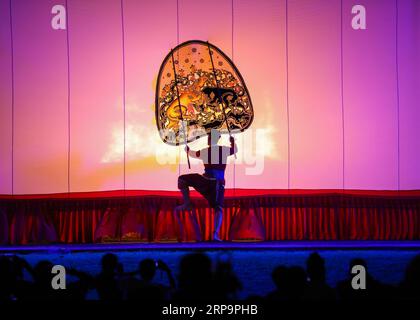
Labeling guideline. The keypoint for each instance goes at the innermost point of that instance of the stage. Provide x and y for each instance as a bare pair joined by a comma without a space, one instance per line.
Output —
217,246
250,216
304,113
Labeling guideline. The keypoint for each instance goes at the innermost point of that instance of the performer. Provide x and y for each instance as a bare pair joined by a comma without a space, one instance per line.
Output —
211,184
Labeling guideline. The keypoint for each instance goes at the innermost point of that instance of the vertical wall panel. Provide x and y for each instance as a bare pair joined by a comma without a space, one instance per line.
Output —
97,143
370,98
5,101
40,158
150,32
409,84
314,94
259,54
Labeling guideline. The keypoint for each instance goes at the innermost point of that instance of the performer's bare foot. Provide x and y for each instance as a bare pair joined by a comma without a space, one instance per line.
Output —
185,206
216,237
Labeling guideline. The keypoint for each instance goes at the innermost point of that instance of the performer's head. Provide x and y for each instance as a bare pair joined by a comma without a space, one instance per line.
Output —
213,137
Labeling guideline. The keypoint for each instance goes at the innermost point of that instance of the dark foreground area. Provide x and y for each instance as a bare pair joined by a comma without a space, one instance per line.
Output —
210,275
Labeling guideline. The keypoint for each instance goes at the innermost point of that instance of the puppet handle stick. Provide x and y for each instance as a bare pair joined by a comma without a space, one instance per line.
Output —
180,109
219,98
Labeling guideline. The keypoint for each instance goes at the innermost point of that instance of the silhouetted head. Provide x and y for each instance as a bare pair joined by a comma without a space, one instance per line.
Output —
147,269
42,272
279,276
109,263
195,270
213,137
358,261
315,267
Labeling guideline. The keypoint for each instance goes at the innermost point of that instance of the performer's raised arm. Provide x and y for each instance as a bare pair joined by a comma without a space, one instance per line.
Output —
233,146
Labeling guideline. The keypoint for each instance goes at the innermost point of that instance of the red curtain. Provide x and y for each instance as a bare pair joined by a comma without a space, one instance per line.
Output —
249,215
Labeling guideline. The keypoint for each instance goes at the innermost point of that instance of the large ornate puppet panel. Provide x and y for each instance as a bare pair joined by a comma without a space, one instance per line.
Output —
188,90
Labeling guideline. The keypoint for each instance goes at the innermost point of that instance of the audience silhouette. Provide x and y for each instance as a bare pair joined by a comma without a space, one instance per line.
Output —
410,287
226,282
107,282
317,287
198,280
195,278
145,288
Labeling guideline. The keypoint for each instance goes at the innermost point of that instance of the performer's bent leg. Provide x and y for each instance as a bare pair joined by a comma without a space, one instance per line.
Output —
183,186
218,218
218,210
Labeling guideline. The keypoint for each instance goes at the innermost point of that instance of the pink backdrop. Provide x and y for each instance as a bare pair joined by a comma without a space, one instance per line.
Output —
66,98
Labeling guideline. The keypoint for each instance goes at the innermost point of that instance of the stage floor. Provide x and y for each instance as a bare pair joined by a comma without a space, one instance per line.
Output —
210,246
